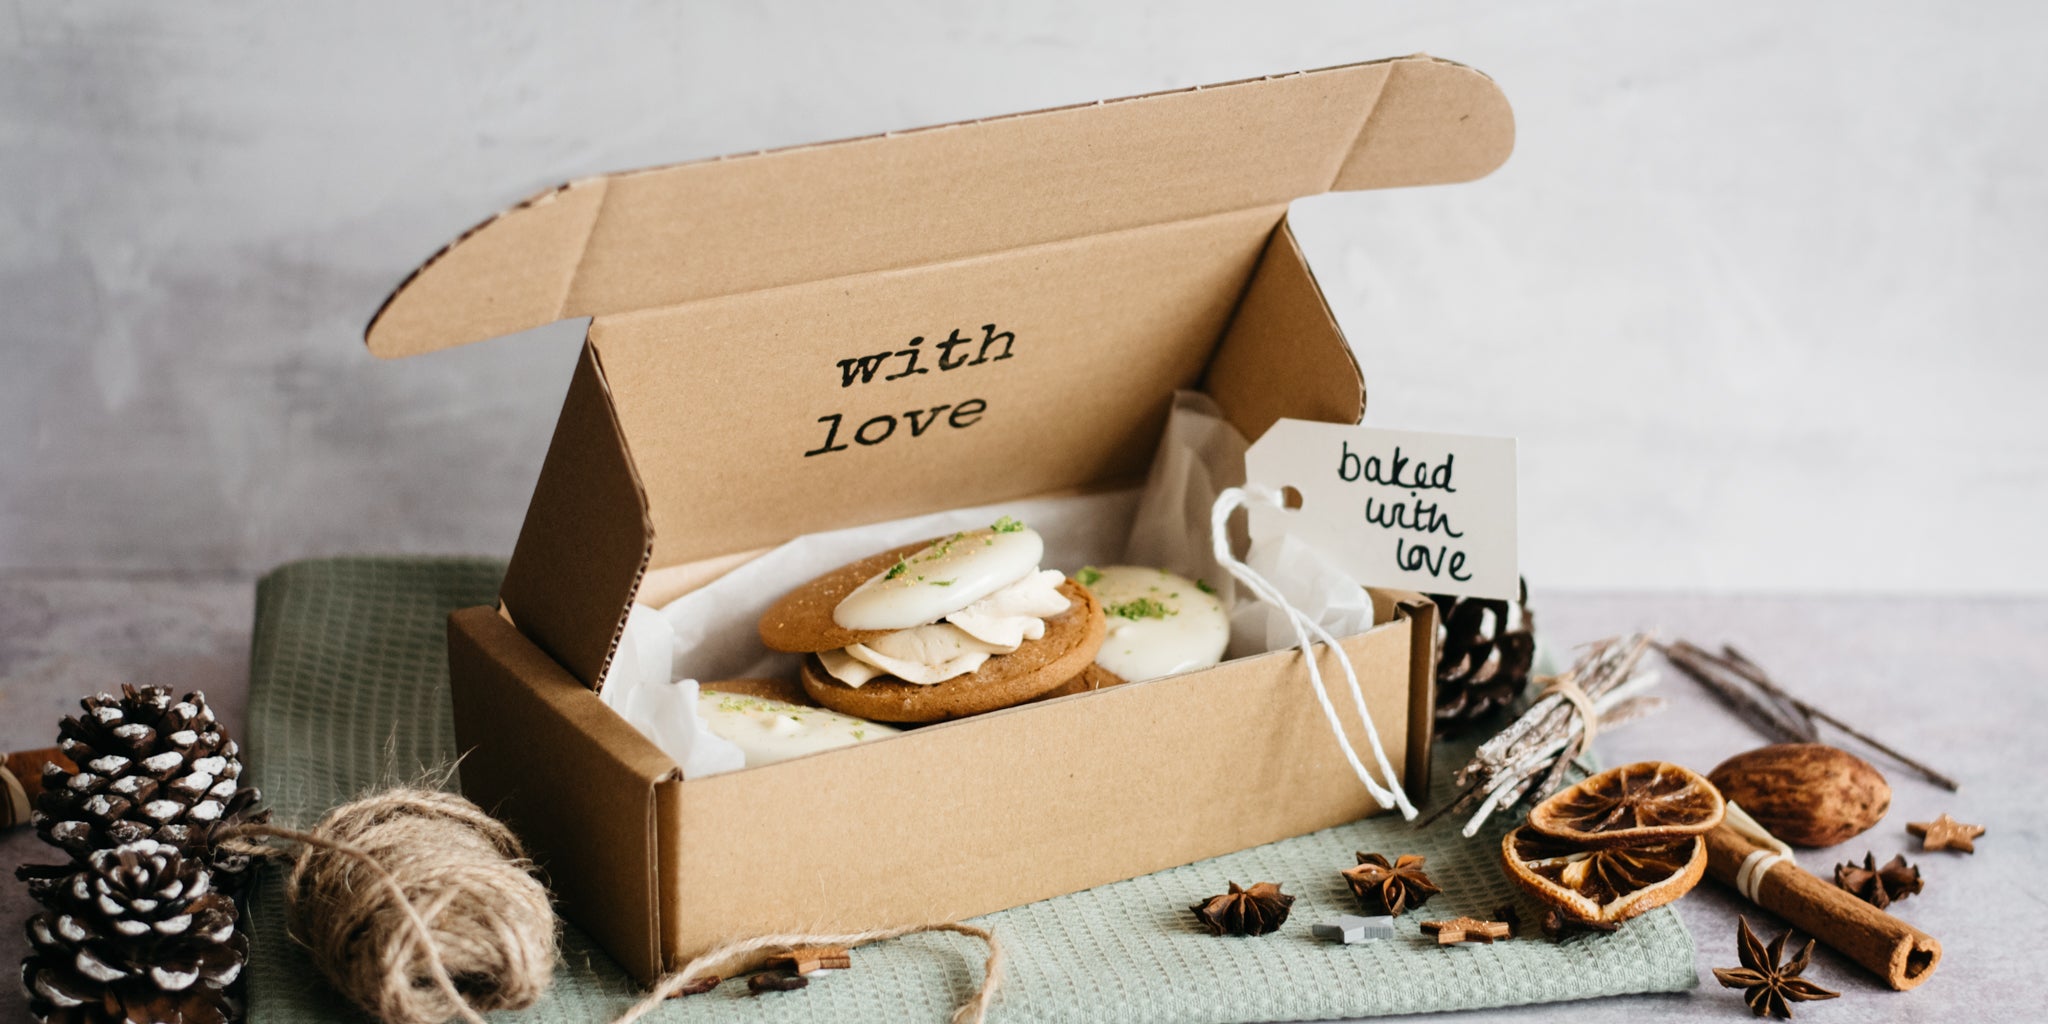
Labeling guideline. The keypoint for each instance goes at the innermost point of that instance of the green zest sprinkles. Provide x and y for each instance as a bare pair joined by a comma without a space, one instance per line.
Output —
1089,575
1141,608
943,548
1203,586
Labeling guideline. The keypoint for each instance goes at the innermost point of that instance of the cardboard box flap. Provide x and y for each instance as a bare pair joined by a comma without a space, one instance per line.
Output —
671,235
586,539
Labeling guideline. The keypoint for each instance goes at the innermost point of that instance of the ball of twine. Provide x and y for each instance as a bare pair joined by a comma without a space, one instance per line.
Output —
419,907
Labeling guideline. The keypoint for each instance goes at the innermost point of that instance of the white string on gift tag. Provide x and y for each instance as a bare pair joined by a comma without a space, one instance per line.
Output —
1234,498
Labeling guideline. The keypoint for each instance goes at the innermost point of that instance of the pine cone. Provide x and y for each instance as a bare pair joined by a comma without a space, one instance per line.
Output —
148,768
1485,659
136,935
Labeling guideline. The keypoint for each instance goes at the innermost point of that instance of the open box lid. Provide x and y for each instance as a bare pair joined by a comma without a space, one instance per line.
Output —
670,235
1132,243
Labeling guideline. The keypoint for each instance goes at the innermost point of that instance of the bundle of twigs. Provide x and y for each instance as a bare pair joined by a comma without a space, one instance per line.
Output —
1744,687
1530,757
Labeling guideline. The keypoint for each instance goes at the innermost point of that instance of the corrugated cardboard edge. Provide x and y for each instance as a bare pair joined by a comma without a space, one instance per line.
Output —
1421,613
1431,121
1283,327
1028,803
600,806
1430,127
578,784
587,537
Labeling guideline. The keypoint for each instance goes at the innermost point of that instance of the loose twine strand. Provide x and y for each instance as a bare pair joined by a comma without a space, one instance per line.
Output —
746,952
453,922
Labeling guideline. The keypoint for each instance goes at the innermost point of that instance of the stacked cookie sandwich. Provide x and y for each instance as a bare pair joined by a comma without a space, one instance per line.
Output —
955,626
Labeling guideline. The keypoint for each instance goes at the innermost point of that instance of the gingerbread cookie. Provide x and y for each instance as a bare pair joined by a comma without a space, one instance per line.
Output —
1160,624
772,720
1032,671
956,626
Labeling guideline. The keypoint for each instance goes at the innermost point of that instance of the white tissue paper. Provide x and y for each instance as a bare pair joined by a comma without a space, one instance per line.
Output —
1200,454
639,686
712,631
1311,583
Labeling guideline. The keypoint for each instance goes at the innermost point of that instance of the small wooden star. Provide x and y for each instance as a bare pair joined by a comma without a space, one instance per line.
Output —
1467,929
812,959
1946,833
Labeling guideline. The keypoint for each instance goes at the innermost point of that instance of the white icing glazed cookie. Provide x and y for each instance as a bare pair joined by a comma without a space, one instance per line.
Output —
943,577
940,629
768,730
1159,623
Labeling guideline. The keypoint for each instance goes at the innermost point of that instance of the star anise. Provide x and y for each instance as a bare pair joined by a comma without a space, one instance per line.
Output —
1254,911
1390,888
1769,987
1879,886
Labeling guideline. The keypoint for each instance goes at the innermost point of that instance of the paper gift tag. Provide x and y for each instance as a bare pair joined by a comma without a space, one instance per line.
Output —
1394,508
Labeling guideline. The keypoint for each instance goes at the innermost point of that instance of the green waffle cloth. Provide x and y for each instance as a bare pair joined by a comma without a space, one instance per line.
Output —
349,693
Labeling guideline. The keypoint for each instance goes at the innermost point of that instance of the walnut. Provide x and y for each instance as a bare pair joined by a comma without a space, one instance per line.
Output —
1808,794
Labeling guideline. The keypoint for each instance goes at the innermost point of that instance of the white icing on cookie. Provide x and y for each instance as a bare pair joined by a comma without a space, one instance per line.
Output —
768,731
1159,623
943,577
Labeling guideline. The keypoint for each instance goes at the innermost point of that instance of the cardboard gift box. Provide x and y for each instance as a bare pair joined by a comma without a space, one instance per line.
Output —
810,338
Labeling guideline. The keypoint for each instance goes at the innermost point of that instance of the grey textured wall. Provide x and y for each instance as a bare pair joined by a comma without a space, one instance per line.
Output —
1756,290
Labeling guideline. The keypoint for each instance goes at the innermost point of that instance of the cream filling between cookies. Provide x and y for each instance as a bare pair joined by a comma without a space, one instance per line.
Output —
961,642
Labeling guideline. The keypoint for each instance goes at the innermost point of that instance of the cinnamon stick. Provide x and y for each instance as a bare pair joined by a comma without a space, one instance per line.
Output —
1890,948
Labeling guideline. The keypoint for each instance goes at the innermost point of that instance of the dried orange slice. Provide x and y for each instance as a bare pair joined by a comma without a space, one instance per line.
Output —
1603,886
1639,804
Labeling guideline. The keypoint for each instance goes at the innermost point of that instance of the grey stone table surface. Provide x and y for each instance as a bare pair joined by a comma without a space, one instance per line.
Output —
1959,682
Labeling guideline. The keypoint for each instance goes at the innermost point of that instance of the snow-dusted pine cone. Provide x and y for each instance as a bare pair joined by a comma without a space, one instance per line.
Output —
148,767
136,935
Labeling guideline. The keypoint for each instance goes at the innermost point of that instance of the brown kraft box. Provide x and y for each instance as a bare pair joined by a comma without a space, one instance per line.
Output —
749,377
